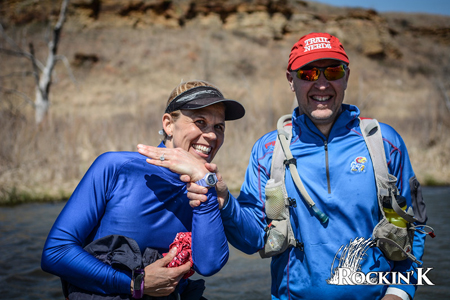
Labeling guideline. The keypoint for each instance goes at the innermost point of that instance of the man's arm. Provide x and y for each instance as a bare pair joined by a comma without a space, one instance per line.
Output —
400,166
244,217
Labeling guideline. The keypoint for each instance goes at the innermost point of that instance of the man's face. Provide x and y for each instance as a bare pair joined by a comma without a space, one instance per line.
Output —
320,100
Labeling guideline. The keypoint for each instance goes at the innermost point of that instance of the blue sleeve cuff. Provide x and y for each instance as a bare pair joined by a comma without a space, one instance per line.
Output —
124,279
226,202
228,209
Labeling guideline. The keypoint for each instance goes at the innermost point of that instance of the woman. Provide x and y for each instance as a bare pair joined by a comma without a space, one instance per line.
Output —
144,206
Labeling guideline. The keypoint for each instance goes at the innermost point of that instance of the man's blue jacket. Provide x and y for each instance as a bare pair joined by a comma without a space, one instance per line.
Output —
337,173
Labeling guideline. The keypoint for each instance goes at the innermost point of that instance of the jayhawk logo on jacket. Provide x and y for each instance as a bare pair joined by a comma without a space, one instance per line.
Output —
358,165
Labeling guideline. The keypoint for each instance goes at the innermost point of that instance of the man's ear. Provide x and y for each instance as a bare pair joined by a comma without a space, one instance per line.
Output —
290,79
347,74
167,122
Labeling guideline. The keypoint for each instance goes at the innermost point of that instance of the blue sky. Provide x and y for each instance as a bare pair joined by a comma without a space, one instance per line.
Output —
441,7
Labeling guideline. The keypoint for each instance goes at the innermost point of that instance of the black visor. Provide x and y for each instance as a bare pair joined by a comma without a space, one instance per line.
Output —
203,96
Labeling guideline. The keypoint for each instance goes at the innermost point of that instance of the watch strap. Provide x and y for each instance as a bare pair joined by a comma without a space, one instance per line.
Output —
138,283
204,181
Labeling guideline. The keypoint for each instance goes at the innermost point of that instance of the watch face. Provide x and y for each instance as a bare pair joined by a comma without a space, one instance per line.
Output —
210,180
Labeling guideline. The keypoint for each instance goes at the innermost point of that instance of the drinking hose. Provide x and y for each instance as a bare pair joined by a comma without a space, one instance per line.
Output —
283,138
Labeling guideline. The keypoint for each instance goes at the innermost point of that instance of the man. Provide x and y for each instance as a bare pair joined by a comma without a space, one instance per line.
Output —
326,140
327,144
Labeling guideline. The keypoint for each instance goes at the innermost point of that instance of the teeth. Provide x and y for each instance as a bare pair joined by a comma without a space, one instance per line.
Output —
202,148
321,98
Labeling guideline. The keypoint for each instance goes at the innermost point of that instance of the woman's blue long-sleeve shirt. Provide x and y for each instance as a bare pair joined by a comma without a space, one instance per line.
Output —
124,195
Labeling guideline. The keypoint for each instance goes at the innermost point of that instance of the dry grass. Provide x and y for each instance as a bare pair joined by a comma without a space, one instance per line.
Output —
118,101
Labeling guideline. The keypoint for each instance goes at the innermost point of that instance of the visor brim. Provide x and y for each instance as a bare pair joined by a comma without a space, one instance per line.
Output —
233,109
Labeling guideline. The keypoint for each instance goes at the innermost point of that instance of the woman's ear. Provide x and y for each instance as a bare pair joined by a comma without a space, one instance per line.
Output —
167,122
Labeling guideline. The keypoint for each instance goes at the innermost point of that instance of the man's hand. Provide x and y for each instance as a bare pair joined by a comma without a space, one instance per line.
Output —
196,193
391,297
160,280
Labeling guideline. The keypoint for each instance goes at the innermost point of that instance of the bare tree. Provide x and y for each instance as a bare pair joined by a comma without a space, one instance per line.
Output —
444,94
41,73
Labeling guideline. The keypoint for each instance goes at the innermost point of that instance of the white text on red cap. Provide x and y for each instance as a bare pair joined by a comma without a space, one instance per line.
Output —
317,43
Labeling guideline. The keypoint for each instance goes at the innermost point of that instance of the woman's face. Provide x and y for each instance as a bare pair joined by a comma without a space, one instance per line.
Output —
198,131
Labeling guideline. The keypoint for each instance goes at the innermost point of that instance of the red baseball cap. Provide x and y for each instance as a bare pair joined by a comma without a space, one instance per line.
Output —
315,46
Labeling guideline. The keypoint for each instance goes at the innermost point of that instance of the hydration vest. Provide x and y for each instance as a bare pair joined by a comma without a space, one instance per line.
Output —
395,242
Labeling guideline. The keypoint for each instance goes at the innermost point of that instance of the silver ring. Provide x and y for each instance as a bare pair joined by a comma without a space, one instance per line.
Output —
161,158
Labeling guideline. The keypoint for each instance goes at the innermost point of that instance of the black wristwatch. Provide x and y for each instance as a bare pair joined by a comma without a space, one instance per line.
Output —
208,181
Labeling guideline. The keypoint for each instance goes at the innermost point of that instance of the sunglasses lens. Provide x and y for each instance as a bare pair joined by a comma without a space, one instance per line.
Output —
309,75
331,73
334,73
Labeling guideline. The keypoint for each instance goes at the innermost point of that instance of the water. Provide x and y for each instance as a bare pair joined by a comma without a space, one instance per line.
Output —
23,230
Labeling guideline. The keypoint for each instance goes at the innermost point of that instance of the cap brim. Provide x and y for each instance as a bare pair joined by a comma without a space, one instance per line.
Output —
233,109
307,59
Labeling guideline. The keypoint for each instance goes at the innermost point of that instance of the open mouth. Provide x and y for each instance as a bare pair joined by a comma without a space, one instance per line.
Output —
202,149
321,98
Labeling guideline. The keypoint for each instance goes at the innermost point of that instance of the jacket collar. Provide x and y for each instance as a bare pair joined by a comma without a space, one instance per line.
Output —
345,121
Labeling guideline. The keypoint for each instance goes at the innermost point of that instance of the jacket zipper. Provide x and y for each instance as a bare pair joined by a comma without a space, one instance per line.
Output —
325,144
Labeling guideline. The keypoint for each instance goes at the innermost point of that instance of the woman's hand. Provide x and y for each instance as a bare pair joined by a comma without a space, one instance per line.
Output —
175,159
191,170
161,281
196,193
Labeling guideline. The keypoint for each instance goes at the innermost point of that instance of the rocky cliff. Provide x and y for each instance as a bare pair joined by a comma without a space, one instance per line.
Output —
366,31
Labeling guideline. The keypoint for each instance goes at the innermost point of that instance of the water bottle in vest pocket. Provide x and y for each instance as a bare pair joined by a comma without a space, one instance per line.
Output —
279,234
395,242
394,234
275,200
